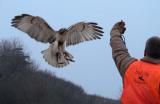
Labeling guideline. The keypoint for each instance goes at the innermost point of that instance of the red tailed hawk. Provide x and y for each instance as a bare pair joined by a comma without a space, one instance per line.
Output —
56,55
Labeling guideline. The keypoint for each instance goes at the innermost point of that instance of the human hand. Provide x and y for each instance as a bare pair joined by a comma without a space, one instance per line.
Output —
120,26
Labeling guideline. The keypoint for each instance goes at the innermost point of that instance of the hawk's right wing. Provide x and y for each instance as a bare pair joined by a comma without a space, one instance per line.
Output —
82,31
35,27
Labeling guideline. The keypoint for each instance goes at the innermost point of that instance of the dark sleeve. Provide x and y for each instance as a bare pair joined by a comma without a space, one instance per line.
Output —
120,52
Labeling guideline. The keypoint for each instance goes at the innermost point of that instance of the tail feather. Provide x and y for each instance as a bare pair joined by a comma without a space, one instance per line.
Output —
56,59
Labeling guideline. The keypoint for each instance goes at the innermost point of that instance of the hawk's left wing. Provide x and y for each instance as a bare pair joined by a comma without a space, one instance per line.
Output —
83,32
35,26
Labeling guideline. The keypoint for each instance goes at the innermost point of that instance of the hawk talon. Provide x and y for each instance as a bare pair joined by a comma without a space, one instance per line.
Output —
71,60
66,55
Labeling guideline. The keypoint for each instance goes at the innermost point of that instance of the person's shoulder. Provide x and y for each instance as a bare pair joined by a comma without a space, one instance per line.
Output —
150,60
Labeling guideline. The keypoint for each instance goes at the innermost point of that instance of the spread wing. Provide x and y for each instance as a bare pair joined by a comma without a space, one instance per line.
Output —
35,27
82,31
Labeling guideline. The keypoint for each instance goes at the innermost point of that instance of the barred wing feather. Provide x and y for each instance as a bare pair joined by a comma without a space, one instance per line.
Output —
35,27
82,31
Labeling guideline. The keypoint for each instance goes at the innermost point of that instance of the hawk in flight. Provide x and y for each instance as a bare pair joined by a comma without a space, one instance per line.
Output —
56,55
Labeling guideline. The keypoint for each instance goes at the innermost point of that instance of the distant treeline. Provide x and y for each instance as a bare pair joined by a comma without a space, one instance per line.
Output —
23,82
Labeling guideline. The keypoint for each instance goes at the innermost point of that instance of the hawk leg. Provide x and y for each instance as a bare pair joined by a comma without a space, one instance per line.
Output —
60,58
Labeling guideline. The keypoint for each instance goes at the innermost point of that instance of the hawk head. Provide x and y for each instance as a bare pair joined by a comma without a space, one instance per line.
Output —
62,31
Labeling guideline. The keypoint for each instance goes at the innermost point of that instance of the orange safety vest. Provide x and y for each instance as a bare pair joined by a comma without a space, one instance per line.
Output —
141,84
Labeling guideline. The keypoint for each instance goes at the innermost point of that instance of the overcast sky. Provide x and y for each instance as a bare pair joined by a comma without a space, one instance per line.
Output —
94,69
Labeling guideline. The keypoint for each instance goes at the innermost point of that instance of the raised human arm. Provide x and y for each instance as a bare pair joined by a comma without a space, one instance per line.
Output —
120,52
